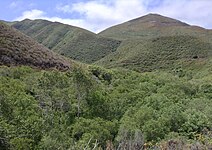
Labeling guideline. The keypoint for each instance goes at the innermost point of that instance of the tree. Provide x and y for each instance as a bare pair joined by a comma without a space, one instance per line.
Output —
97,104
83,86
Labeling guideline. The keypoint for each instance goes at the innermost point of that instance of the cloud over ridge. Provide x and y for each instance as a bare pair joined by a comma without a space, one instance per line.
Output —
97,15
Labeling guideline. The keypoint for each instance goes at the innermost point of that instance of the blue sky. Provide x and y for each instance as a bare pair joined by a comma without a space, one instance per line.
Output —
96,15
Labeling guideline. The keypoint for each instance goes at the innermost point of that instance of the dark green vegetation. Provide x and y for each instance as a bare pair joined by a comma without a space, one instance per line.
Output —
70,41
157,93
39,109
19,49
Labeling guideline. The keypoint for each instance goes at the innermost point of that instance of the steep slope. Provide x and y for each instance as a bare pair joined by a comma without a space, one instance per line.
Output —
19,49
70,41
160,53
153,25
156,42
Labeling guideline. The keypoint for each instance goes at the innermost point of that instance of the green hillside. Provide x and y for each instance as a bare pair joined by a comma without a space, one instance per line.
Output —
8,22
19,49
151,26
70,41
155,42
150,91
159,53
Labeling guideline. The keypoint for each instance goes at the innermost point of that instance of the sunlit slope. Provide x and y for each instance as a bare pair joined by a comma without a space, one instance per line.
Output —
159,53
73,42
154,25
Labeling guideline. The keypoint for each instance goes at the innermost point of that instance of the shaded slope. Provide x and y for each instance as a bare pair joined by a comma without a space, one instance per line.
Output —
70,41
19,49
160,53
154,25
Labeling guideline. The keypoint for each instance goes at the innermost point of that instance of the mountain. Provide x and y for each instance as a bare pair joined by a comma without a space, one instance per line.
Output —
153,25
76,43
147,43
165,104
156,42
159,53
19,49
8,22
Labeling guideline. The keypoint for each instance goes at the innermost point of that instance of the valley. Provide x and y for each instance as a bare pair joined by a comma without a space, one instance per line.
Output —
142,84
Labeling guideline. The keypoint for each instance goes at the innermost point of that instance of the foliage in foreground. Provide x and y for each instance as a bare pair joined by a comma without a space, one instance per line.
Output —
119,109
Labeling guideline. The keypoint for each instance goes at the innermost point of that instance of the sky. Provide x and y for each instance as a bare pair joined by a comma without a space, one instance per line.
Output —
97,15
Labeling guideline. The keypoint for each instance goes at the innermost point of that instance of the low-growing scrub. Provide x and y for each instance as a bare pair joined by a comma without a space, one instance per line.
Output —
52,109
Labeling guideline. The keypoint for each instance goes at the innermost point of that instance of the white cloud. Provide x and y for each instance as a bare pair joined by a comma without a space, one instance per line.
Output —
13,4
195,12
38,14
97,15
32,14
64,8
20,5
101,14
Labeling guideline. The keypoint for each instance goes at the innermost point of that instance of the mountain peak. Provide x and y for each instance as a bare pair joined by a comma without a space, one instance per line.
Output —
152,19
154,14
151,25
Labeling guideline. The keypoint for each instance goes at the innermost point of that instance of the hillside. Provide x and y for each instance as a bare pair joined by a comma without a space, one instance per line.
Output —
153,25
164,104
19,49
155,42
8,22
159,53
70,41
